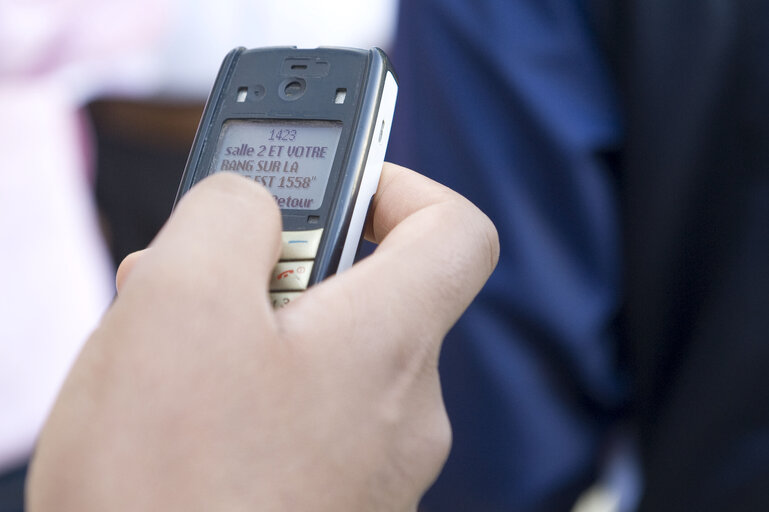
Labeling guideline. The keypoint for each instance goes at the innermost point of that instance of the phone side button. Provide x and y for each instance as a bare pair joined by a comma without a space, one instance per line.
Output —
290,276
281,299
300,245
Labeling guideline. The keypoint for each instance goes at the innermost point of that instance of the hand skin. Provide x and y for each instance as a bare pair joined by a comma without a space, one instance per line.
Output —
193,394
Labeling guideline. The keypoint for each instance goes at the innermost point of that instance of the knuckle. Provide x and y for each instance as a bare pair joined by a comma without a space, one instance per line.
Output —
485,237
491,237
439,444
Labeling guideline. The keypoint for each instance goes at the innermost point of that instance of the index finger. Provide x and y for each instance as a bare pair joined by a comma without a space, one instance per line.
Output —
436,250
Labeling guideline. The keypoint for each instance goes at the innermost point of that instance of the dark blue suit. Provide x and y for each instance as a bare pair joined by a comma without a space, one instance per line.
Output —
511,104
622,149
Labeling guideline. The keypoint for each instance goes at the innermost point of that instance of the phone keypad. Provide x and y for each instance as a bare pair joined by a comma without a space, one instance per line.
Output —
300,245
292,273
281,299
290,276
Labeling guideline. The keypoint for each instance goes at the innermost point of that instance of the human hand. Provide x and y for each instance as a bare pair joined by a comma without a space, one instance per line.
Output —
194,394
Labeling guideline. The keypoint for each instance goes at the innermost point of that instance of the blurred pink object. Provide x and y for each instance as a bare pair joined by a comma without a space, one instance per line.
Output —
55,276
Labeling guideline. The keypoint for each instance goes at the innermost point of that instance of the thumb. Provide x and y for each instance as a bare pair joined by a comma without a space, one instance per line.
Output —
225,232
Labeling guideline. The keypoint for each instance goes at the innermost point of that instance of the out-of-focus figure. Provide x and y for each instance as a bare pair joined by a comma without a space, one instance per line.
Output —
620,147
55,278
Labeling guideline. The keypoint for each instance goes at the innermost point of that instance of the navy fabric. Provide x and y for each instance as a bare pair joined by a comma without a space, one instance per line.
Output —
12,490
510,104
695,197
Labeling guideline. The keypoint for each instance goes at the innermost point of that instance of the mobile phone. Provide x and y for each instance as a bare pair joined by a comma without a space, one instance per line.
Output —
312,126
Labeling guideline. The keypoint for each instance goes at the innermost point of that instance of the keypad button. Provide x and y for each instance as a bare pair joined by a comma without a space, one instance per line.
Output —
281,299
300,245
290,276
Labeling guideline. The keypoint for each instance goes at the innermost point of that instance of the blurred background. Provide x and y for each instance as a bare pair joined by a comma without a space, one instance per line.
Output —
616,359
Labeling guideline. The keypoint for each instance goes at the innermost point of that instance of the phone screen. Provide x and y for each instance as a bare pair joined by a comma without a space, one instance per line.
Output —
292,159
